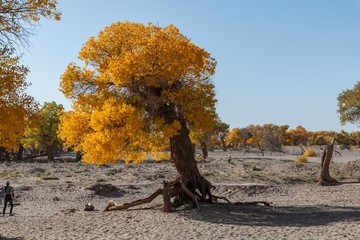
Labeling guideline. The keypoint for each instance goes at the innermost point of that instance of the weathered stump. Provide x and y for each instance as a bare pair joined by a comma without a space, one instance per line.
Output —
325,178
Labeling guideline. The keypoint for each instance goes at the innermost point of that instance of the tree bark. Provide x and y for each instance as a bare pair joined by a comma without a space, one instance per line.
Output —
189,187
182,155
325,178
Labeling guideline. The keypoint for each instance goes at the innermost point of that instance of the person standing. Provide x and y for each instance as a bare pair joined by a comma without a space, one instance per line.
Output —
9,195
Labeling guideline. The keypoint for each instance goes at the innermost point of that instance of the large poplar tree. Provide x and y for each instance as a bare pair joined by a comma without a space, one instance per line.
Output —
140,90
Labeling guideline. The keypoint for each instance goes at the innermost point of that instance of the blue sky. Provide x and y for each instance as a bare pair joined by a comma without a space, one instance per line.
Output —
279,61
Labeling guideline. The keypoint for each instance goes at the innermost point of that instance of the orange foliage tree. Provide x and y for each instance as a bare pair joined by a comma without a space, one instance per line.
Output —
298,136
140,90
16,107
266,137
17,21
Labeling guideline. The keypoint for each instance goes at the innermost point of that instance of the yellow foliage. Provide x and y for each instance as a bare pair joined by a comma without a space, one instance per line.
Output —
139,86
310,153
301,159
16,107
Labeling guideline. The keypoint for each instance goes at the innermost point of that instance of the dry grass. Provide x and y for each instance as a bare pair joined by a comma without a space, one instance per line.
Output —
301,159
310,153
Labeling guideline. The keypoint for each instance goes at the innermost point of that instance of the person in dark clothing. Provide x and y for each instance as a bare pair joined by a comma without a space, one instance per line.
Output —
9,195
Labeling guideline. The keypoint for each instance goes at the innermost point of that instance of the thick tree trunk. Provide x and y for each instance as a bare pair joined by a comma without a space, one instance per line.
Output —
189,185
182,155
325,178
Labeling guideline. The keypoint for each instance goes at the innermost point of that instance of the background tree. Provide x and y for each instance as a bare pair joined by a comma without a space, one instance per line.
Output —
18,19
201,140
265,138
141,89
298,136
44,136
349,105
204,140
355,139
343,139
233,138
16,107
221,130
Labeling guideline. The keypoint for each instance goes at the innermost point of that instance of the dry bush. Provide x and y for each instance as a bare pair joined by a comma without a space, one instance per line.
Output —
310,153
301,159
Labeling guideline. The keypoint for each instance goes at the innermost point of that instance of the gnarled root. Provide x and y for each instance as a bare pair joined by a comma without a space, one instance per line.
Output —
176,190
180,193
112,207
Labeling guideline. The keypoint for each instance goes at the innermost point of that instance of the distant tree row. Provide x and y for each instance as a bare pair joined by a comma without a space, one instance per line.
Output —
270,137
41,136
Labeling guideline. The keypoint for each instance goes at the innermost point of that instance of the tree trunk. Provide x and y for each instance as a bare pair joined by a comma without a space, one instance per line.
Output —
204,149
20,152
325,178
78,156
189,185
50,153
224,145
182,155
2,153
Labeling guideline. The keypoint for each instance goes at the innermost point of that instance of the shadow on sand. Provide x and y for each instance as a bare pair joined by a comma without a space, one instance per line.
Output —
11,238
246,215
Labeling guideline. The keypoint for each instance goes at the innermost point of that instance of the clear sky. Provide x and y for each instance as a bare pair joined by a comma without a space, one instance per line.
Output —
279,61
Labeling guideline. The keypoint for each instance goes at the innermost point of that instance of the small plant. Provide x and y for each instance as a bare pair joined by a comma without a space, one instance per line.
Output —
208,174
254,168
301,159
49,178
310,153
112,172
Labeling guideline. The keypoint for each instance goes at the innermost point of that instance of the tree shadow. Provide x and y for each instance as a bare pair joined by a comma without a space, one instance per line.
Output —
330,184
106,190
249,215
11,238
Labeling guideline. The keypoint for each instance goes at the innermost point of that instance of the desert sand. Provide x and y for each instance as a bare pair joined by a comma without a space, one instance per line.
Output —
52,196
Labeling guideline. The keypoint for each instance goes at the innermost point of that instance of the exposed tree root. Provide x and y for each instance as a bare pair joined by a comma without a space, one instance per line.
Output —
178,191
220,197
329,183
111,206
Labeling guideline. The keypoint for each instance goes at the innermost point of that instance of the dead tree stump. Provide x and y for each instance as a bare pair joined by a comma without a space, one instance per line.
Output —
325,178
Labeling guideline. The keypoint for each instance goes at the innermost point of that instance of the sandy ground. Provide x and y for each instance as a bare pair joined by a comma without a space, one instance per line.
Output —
52,198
